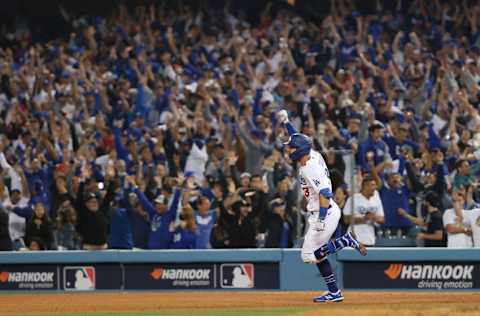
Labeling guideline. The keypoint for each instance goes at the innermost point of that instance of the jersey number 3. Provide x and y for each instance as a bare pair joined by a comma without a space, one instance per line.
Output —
306,192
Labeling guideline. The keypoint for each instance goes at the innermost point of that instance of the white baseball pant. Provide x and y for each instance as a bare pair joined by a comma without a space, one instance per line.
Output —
315,238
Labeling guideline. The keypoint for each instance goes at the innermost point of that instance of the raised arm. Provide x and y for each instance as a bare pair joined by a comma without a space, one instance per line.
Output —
25,212
172,211
283,118
108,197
121,150
145,202
396,42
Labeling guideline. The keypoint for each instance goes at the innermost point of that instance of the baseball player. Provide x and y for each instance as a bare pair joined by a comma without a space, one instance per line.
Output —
324,213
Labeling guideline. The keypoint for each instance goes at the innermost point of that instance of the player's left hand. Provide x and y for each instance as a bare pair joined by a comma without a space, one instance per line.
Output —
321,225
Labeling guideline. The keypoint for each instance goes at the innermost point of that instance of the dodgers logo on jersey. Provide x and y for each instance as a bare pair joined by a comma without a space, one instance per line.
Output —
365,210
303,181
317,182
156,223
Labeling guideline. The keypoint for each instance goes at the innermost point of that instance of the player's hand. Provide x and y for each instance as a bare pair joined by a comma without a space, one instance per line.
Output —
282,116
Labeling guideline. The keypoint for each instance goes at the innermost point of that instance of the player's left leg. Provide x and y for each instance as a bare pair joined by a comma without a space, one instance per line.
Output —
333,294
314,239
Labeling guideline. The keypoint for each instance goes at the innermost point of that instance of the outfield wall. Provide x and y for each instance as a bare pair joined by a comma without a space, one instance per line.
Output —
411,268
254,269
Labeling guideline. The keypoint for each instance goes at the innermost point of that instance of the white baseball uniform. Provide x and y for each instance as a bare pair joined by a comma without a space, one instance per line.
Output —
314,177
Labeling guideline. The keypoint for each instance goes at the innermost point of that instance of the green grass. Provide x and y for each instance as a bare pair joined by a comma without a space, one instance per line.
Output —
196,312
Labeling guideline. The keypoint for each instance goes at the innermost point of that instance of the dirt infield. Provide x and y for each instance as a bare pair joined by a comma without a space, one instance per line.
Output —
298,303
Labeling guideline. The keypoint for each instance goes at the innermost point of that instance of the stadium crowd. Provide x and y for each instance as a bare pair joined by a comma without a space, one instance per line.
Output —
155,127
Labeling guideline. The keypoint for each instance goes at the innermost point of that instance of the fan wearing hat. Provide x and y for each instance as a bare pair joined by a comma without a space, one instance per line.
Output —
245,179
394,194
399,139
346,136
162,213
243,232
120,234
16,224
279,226
374,146
432,233
92,212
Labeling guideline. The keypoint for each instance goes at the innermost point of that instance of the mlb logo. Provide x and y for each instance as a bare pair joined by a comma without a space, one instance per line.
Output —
79,278
237,275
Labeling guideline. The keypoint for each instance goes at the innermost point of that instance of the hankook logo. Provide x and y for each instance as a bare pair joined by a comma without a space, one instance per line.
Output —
429,271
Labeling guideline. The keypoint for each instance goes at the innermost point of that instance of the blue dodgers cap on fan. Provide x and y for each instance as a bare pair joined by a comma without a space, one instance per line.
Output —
302,145
459,63
399,117
35,200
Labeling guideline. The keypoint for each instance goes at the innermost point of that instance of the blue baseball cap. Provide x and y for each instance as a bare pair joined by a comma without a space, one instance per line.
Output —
302,145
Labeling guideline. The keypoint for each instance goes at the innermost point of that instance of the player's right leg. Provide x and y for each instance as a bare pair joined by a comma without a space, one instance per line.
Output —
354,243
330,246
335,245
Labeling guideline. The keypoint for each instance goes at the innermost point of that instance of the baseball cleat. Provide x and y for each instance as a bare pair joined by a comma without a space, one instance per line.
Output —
329,297
354,243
